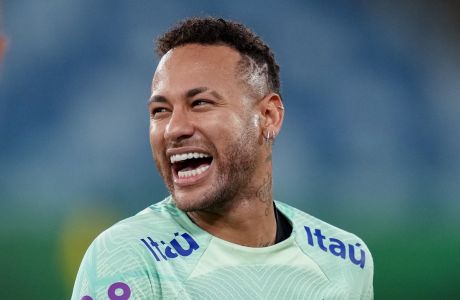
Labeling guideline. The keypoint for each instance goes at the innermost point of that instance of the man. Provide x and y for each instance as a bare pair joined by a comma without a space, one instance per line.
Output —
215,111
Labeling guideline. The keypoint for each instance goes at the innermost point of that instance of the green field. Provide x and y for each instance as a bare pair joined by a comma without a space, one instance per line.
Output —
411,263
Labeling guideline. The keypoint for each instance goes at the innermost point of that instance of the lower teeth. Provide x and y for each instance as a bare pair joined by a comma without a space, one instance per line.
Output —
184,174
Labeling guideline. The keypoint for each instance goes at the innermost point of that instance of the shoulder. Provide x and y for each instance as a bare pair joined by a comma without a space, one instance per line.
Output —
121,246
305,224
137,251
152,220
300,218
339,253
159,223
153,236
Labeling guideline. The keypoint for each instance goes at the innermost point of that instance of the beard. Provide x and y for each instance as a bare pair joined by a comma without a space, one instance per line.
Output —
235,168
234,172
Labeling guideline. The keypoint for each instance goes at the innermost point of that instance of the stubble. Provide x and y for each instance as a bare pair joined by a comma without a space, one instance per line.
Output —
235,169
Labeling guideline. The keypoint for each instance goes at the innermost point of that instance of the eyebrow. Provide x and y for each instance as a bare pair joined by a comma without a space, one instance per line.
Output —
193,92
189,94
157,98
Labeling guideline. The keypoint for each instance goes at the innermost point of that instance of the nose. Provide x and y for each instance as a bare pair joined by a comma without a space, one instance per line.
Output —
179,126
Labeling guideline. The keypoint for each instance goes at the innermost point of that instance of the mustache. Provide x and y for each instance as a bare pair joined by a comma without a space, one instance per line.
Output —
195,142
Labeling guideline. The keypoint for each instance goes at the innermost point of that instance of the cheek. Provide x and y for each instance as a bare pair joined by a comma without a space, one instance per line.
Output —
232,129
155,137
239,124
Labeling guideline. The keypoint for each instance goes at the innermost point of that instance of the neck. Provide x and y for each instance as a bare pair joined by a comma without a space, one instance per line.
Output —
247,220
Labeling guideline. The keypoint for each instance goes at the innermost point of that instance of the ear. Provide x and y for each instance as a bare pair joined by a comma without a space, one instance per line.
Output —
272,111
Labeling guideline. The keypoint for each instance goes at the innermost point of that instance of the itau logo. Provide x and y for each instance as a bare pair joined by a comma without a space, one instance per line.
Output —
182,245
336,247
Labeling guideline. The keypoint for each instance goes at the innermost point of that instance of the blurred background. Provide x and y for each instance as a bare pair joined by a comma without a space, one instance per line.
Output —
370,141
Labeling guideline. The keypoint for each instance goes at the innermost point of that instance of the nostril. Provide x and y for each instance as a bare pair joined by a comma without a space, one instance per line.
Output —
179,127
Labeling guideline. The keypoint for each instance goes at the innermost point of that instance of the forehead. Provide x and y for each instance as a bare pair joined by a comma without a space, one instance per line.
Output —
196,65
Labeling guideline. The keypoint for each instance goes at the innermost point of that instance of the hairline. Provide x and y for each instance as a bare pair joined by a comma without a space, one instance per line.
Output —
242,67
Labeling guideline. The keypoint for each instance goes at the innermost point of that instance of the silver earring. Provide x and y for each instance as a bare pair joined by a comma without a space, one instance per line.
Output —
270,138
267,138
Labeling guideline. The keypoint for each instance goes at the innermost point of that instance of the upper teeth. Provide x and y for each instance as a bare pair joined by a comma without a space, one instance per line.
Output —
180,157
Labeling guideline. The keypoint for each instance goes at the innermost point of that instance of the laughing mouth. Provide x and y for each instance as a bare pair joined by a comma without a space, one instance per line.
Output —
190,164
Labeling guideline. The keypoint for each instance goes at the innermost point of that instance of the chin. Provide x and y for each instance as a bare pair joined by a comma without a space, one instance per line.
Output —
189,203
186,203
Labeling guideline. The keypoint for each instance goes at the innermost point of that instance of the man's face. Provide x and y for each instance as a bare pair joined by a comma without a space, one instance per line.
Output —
204,128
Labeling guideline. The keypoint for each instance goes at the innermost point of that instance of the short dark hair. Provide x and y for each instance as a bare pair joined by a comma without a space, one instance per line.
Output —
256,55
